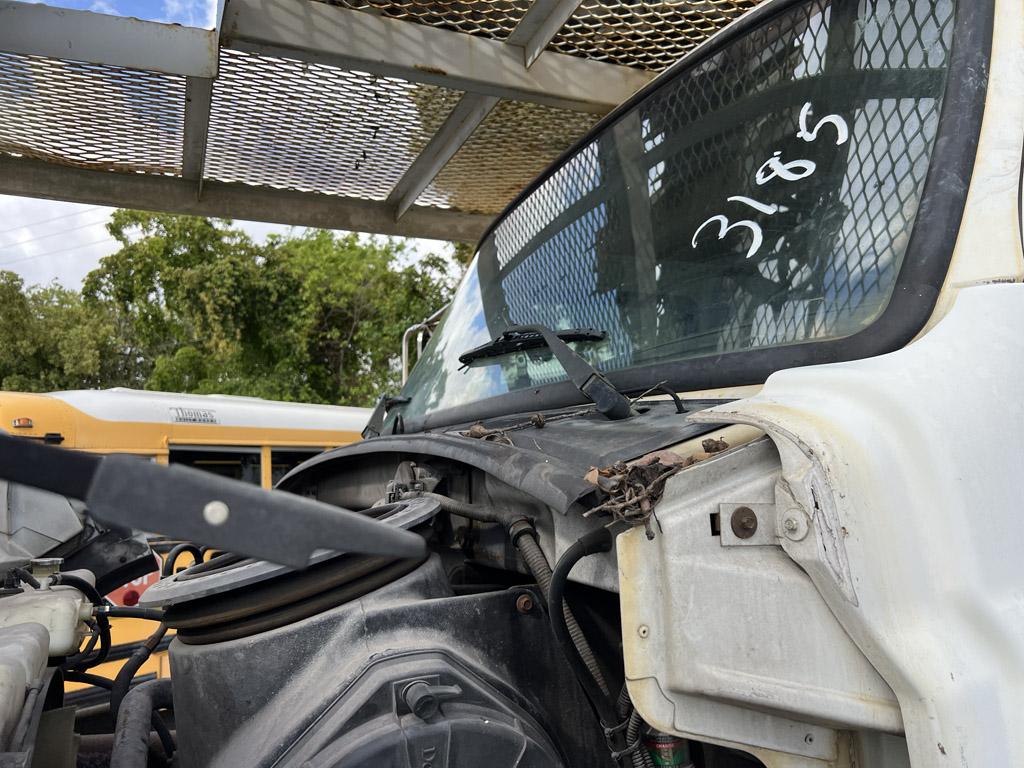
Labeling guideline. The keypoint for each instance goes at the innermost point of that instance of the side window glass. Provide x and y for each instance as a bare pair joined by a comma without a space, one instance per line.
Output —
238,463
284,460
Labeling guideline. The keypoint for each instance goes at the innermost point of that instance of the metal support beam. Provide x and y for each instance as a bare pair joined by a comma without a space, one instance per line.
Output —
540,25
34,178
98,38
318,32
457,128
198,96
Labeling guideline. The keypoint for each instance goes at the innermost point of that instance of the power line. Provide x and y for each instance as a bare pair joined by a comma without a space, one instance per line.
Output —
60,250
55,218
8,246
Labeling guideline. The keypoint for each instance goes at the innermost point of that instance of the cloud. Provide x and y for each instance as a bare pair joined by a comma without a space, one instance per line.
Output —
69,239
192,13
46,241
102,6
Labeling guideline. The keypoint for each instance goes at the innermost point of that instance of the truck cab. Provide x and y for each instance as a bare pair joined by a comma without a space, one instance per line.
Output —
714,454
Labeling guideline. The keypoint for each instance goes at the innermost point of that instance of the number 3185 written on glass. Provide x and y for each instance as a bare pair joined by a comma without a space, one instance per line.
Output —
775,168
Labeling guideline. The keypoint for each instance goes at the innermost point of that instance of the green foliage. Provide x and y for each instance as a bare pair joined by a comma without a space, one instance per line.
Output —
463,253
50,340
193,305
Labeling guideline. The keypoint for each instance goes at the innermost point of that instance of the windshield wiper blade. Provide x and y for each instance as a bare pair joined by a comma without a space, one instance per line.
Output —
586,377
521,338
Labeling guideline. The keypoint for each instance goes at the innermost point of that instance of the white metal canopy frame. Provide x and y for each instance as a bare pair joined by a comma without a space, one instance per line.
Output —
406,117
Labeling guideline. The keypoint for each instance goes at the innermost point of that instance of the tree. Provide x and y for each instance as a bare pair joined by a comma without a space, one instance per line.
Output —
349,303
49,339
195,306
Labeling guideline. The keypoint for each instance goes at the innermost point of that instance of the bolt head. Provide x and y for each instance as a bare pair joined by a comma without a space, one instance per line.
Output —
216,513
524,603
794,525
743,522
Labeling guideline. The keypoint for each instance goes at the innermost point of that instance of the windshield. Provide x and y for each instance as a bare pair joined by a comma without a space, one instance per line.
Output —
762,195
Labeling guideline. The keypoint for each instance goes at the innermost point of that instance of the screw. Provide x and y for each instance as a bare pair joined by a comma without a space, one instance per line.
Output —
216,513
524,603
743,522
643,630
794,525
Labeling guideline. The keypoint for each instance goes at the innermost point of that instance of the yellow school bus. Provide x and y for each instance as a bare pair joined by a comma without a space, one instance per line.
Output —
246,438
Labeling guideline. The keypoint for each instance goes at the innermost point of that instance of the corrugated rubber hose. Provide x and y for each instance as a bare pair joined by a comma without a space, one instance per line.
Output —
588,544
641,757
528,547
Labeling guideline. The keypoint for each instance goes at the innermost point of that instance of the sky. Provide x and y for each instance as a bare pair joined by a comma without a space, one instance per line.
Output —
192,13
46,241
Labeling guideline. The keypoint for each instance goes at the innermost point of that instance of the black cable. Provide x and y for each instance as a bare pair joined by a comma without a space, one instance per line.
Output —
525,540
164,734
123,681
168,567
131,612
591,543
72,661
73,676
25,577
102,623
680,408
83,586
471,511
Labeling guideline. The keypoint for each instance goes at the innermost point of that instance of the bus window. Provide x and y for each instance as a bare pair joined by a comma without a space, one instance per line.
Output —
237,463
284,460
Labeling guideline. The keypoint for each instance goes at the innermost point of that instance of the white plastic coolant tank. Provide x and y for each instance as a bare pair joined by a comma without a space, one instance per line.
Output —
23,652
61,610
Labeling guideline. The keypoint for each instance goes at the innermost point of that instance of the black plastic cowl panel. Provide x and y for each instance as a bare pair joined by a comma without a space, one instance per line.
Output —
547,463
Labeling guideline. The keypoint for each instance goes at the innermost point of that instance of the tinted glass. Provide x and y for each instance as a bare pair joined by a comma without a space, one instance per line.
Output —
241,465
284,460
762,197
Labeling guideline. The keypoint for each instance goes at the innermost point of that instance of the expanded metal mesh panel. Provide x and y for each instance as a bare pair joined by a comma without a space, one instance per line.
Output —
635,33
515,142
486,18
316,128
91,116
765,198
644,34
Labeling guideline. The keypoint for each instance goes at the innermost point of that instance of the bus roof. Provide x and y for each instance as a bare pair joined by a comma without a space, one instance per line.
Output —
122,404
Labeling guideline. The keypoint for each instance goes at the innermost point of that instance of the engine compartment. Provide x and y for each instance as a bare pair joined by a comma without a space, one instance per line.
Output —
459,657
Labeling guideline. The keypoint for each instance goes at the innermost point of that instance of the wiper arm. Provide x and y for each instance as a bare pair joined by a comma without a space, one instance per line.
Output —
519,338
376,421
586,377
